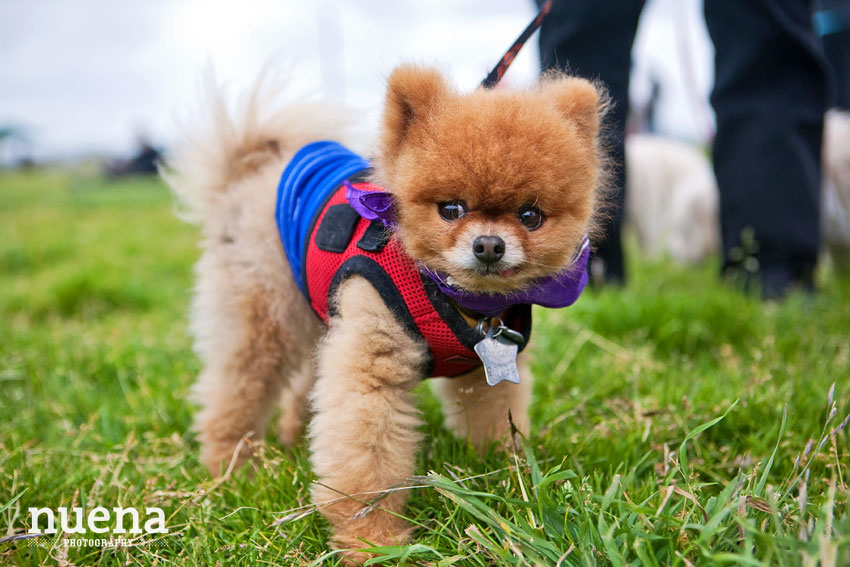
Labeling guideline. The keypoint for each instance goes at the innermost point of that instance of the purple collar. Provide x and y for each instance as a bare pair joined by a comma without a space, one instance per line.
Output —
560,290
371,205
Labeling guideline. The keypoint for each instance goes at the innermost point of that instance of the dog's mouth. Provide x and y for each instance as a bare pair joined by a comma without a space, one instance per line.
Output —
498,272
488,279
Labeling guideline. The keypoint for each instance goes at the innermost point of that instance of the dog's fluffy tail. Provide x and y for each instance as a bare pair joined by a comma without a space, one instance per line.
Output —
228,144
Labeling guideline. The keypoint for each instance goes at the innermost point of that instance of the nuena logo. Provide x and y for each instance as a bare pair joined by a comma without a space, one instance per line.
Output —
97,520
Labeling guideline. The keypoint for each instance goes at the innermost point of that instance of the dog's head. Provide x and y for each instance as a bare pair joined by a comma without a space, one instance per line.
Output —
494,188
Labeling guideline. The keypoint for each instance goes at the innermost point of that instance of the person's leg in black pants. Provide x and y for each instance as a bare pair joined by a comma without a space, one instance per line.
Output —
770,97
593,39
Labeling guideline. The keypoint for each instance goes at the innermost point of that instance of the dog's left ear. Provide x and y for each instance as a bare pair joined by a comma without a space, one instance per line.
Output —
412,92
580,101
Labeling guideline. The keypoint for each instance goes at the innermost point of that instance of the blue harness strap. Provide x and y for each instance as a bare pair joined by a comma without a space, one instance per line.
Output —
310,178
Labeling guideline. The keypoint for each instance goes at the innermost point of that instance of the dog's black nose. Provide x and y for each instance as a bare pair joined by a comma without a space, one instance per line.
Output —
488,249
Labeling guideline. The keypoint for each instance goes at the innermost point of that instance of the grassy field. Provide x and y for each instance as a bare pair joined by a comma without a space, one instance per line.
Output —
632,461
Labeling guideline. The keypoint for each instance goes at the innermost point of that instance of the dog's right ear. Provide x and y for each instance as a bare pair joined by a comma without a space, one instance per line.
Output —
579,101
412,92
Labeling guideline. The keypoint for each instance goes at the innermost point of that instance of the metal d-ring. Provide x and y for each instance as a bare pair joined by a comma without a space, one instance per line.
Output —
497,329
479,328
500,328
508,333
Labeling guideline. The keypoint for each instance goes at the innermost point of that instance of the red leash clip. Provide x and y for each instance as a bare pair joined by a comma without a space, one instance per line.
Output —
499,70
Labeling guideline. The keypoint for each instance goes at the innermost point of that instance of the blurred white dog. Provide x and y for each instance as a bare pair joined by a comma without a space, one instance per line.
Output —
672,198
835,196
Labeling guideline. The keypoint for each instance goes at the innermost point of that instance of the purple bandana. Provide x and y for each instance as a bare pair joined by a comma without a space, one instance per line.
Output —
560,290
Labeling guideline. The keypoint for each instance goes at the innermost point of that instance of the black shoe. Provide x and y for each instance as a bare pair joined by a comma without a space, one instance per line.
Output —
776,283
773,283
601,273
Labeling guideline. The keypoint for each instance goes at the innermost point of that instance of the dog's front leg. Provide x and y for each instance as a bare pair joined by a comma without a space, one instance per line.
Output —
364,432
478,412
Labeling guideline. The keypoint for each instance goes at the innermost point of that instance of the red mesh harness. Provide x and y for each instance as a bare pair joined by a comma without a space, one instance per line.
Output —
342,244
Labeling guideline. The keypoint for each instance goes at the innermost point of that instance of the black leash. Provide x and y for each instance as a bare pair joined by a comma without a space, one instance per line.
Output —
496,74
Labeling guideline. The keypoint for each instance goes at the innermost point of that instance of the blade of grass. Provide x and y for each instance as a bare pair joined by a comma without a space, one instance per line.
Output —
683,453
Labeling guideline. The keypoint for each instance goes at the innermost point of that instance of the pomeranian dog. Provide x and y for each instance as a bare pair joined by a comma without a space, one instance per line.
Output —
337,285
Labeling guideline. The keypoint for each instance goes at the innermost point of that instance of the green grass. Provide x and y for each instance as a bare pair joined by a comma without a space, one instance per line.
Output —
629,462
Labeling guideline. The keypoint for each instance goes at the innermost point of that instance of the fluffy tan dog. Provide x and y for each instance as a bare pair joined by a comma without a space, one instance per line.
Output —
486,157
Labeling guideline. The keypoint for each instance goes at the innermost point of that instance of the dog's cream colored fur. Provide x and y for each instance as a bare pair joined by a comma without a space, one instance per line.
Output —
256,334
253,331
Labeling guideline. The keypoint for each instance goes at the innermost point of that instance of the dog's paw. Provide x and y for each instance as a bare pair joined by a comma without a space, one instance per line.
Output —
352,545
290,428
353,558
222,456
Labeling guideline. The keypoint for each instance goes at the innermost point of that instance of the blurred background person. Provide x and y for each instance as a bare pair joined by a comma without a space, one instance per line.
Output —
144,161
770,93
832,23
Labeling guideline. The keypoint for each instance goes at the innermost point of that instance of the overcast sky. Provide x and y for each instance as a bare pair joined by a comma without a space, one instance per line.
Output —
87,75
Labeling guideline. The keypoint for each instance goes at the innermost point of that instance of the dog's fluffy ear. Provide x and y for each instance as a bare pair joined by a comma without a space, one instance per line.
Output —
580,101
412,92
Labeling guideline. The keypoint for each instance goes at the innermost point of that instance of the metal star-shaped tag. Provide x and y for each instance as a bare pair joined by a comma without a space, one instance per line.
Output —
498,351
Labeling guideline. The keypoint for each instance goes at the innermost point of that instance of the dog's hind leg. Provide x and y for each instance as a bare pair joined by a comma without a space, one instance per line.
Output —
255,333
478,412
295,405
364,432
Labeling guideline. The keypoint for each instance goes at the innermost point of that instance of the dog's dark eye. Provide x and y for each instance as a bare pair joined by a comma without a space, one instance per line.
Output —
530,217
451,210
